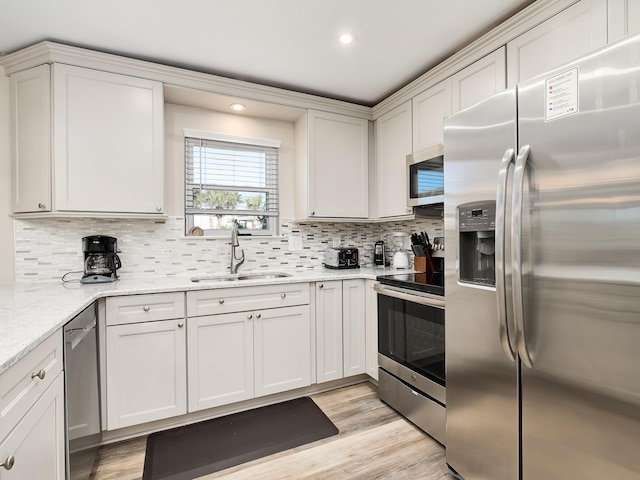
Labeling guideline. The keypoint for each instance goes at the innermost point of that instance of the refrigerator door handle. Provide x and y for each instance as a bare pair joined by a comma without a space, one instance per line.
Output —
501,202
516,254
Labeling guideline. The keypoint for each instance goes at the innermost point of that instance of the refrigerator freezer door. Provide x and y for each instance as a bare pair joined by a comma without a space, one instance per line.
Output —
482,408
581,269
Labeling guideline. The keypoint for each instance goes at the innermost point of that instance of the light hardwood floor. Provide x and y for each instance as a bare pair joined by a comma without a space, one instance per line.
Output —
374,443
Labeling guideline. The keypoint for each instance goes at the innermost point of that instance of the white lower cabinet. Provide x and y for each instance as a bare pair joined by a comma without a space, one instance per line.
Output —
371,330
146,358
220,358
35,448
146,372
282,347
340,329
239,354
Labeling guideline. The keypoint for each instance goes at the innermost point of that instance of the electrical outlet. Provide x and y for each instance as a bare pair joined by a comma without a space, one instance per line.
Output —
295,243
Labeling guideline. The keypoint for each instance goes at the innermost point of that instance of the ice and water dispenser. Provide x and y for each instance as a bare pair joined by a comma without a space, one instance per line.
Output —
476,228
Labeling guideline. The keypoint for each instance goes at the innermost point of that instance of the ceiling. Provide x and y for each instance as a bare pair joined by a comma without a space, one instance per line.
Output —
284,43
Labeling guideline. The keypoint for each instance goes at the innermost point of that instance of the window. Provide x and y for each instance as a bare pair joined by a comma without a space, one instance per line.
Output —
231,180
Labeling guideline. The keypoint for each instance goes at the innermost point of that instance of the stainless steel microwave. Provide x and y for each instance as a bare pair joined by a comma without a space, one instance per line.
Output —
425,176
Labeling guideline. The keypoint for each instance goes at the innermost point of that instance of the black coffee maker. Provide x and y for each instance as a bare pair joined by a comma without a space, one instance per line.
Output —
100,259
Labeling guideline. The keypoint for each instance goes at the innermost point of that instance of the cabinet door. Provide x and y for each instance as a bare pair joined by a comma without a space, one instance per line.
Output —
31,139
109,135
353,326
430,108
220,359
37,444
623,18
576,31
393,140
338,180
146,372
282,346
479,80
328,309
371,330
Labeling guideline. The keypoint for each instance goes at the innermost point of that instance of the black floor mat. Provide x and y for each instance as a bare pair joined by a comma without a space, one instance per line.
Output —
192,451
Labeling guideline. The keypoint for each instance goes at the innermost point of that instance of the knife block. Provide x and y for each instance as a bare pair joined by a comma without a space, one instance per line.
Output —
423,264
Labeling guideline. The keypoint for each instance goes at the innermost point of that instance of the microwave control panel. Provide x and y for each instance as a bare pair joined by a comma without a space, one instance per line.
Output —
477,217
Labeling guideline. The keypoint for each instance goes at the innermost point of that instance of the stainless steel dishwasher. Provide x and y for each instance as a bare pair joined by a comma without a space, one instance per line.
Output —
82,401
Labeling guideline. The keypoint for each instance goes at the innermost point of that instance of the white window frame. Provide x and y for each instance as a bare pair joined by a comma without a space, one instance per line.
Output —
272,228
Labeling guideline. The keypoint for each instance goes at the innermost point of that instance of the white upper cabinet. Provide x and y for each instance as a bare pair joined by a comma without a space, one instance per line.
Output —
576,31
430,108
393,144
86,141
479,81
31,139
332,166
108,143
623,17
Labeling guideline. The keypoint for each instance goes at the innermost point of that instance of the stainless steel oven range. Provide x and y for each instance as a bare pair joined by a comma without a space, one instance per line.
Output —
411,348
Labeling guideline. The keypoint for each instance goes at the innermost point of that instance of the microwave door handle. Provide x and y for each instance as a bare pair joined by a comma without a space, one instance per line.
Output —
516,254
501,202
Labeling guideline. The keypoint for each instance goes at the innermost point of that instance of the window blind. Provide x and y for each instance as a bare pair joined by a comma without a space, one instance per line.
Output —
230,178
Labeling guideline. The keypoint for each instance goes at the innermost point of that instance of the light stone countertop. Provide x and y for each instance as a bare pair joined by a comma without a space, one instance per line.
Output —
29,313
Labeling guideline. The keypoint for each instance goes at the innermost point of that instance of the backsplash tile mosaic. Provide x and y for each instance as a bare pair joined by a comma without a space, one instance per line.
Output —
47,249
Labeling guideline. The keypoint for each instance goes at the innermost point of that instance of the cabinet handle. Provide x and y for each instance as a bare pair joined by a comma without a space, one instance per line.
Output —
8,463
146,308
321,286
284,295
180,325
221,301
249,317
258,315
40,374
42,206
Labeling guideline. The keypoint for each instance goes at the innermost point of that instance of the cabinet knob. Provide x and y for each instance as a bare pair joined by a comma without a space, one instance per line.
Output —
146,308
313,213
408,210
40,374
284,295
41,206
249,317
321,286
221,301
258,315
8,463
158,209
180,325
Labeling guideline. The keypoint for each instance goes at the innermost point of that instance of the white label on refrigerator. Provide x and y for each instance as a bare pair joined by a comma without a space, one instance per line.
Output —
561,95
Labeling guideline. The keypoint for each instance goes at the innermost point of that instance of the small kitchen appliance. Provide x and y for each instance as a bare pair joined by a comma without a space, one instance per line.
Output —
379,255
341,257
400,258
101,260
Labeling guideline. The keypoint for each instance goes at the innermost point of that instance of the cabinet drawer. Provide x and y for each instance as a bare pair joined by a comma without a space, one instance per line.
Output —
21,385
36,445
144,308
227,300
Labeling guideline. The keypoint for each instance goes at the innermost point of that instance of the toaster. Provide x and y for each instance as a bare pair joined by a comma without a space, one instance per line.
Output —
341,257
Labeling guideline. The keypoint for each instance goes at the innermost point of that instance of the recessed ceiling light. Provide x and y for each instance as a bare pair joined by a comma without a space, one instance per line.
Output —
347,38
237,107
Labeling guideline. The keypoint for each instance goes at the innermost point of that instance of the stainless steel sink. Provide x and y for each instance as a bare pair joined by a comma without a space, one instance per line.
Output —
227,277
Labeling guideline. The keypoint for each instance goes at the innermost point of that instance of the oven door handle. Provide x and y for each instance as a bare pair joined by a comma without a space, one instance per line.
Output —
410,297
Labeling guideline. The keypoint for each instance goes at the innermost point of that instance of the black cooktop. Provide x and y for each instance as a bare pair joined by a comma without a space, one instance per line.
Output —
424,282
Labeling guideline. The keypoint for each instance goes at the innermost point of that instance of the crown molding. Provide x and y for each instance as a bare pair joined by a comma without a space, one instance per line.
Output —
496,38
52,52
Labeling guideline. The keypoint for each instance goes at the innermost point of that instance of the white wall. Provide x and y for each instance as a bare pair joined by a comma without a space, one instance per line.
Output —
178,117
6,223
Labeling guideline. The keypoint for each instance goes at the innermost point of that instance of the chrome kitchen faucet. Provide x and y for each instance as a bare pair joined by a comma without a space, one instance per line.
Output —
235,261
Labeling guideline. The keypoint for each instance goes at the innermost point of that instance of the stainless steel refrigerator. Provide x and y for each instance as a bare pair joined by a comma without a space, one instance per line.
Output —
542,280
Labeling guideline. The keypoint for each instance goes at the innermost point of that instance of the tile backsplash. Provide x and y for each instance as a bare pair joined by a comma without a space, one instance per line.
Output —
46,249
